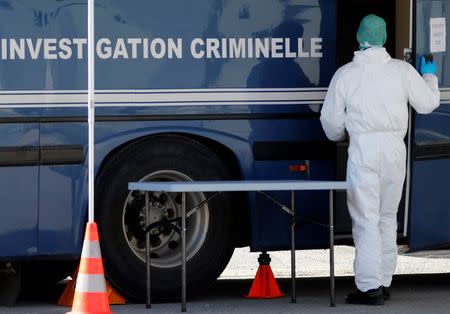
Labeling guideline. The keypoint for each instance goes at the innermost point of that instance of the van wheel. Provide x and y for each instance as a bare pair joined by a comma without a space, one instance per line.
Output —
121,217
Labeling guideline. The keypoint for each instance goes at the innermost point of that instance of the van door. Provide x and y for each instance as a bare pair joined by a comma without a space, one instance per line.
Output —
350,12
429,217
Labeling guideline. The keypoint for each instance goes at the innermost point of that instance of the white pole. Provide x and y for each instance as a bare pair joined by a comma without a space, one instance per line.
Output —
91,108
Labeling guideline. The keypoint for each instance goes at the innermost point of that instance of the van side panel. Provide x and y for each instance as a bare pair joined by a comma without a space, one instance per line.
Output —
207,81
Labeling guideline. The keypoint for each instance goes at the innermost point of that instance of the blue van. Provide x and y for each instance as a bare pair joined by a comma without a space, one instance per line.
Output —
193,90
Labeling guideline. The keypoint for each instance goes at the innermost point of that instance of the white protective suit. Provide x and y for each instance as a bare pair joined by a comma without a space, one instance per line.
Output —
369,98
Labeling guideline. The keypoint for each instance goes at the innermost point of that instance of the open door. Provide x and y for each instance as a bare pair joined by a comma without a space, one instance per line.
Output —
429,216
397,15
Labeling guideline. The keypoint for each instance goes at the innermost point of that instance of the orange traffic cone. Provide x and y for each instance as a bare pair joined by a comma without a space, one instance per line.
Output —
264,285
66,298
90,291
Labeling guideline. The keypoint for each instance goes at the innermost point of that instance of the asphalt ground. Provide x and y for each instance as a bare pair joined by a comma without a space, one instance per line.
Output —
422,285
410,294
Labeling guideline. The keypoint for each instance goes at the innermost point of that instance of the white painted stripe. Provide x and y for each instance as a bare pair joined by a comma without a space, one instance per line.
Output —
43,99
156,105
91,249
445,95
184,90
173,90
212,104
217,96
90,283
43,106
161,98
170,97
208,90
43,91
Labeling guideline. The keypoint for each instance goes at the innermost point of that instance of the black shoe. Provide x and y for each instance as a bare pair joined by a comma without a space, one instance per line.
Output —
370,297
387,293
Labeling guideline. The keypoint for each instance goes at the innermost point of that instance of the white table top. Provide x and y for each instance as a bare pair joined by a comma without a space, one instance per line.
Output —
235,186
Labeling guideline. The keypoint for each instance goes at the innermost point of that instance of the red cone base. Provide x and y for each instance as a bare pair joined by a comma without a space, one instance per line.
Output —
264,285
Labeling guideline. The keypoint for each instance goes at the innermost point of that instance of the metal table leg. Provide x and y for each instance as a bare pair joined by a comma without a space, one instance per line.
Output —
331,212
183,252
293,292
147,251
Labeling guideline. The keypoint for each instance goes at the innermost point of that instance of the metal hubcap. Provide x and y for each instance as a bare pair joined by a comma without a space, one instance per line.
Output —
164,242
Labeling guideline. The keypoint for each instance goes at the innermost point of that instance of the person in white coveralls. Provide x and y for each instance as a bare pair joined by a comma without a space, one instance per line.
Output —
369,97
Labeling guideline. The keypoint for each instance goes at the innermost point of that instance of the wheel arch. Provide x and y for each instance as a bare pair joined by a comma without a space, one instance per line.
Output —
224,153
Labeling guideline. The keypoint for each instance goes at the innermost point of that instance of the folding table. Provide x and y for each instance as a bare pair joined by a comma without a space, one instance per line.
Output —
259,186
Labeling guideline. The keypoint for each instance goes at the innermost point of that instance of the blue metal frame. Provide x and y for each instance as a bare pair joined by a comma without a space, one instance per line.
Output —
429,225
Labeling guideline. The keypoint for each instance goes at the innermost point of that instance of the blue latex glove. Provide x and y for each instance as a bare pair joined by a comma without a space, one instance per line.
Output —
427,67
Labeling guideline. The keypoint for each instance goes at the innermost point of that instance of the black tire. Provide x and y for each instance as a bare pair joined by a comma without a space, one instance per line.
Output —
124,270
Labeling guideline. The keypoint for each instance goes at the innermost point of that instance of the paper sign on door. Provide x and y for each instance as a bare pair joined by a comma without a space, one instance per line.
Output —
437,35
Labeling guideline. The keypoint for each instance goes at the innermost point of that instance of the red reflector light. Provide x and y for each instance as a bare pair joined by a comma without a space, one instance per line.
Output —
298,168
